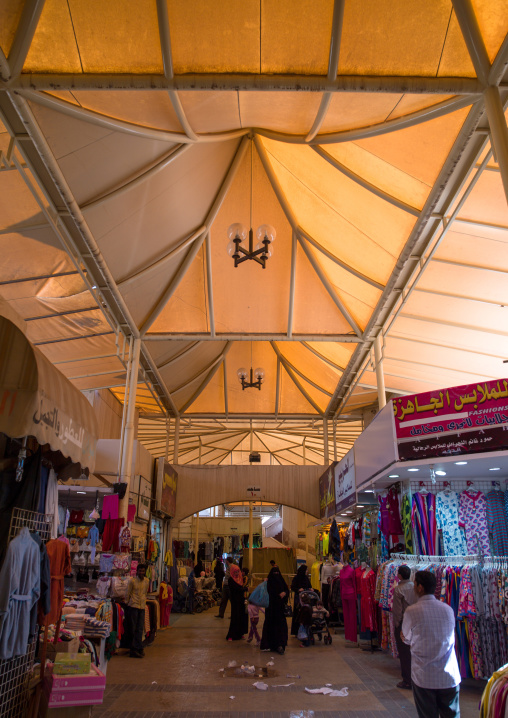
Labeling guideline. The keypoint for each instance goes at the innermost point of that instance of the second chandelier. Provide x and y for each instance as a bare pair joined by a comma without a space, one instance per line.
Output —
237,233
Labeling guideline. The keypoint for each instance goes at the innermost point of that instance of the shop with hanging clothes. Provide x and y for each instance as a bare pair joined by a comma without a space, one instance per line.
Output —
437,463
48,433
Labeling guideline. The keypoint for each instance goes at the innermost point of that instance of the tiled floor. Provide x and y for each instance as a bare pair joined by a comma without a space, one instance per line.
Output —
180,678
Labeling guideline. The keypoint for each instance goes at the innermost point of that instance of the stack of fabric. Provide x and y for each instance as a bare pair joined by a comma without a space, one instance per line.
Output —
94,627
75,622
494,699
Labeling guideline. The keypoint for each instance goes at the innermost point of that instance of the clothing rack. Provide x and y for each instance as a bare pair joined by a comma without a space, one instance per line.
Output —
15,672
419,558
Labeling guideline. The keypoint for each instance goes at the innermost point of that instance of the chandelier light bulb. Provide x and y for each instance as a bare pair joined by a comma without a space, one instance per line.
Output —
231,248
259,373
268,251
241,373
266,230
238,230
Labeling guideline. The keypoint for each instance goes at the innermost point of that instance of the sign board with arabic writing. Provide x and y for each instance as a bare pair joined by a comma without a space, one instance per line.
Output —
167,480
462,419
327,493
345,485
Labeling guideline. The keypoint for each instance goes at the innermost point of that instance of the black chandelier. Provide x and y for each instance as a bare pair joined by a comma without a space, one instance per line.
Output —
259,373
237,233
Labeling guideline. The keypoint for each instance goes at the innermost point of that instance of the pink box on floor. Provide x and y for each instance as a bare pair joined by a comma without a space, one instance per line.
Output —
75,690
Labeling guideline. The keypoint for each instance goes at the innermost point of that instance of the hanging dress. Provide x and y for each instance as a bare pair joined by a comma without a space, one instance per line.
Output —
447,519
473,519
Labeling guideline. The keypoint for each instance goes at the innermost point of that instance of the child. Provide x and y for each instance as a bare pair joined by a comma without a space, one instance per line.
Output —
319,611
305,618
253,612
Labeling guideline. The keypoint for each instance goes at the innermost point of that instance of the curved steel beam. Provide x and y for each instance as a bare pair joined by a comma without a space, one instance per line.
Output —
295,380
306,378
136,179
381,128
157,262
364,183
177,357
208,378
333,65
172,286
130,128
322,357
300,233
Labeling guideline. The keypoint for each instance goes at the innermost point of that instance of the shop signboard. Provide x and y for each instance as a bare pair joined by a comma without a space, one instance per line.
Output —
167,479
145,493
463,419
345,485
327,493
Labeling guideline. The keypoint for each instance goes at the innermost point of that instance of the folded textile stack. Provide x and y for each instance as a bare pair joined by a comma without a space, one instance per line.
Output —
94,627
75,622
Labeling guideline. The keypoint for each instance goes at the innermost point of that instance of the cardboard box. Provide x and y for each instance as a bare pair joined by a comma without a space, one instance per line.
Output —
71,664
74,690
95,680
71,646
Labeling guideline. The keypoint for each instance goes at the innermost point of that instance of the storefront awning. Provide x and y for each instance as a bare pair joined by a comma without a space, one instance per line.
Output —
37,400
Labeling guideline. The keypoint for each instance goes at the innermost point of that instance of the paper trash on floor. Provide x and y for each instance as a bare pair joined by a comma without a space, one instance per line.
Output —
329,692
260,686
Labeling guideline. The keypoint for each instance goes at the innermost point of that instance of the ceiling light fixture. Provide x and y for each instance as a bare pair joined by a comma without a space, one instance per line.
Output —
495,469
440,473
460,463
237,233
81,492
393,476
413,469
369,491
259,373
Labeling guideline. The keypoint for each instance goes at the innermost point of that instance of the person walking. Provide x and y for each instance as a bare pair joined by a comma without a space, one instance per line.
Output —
275,628
428,627
219,573
225,589
137,590
253,612
239,623
300,583
403,597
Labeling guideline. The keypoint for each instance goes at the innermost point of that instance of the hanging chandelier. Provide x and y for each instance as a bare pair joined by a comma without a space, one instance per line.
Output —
238,233
242,374
256,376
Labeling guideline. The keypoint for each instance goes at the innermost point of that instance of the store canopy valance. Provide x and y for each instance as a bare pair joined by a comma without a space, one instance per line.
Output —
37,400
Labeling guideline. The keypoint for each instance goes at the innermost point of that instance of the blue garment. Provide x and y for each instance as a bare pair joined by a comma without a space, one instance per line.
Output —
19,593
93,537
447,519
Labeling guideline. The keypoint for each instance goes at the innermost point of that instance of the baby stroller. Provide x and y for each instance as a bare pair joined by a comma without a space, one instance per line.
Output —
319,626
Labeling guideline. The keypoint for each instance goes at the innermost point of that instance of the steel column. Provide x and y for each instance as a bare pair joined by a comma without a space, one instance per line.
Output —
380,379
126,472
176,440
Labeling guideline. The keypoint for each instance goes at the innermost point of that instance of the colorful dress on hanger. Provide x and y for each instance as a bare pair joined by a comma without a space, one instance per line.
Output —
496,522
367,602
423,523
473,518
447,519
406,523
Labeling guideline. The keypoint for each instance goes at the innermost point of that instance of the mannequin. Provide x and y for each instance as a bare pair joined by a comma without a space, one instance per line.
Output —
329,570
348,596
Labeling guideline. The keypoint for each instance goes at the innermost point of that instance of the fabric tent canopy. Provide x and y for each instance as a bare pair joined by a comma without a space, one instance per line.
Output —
37,400
126,155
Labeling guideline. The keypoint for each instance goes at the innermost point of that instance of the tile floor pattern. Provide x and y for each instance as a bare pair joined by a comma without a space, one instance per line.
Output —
179,678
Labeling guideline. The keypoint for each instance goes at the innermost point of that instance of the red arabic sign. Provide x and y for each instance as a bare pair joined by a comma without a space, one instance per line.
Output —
463,419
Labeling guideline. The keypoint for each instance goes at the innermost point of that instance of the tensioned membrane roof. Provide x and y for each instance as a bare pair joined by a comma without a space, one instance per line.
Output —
134,133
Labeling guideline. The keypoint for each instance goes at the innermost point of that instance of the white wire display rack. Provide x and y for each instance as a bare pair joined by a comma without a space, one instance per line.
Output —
15,673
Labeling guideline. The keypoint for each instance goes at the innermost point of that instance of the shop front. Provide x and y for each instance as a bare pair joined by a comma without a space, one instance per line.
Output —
438,464
48,434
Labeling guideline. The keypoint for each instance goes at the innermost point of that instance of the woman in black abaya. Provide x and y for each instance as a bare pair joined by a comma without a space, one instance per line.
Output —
300,583
275,627
239,624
